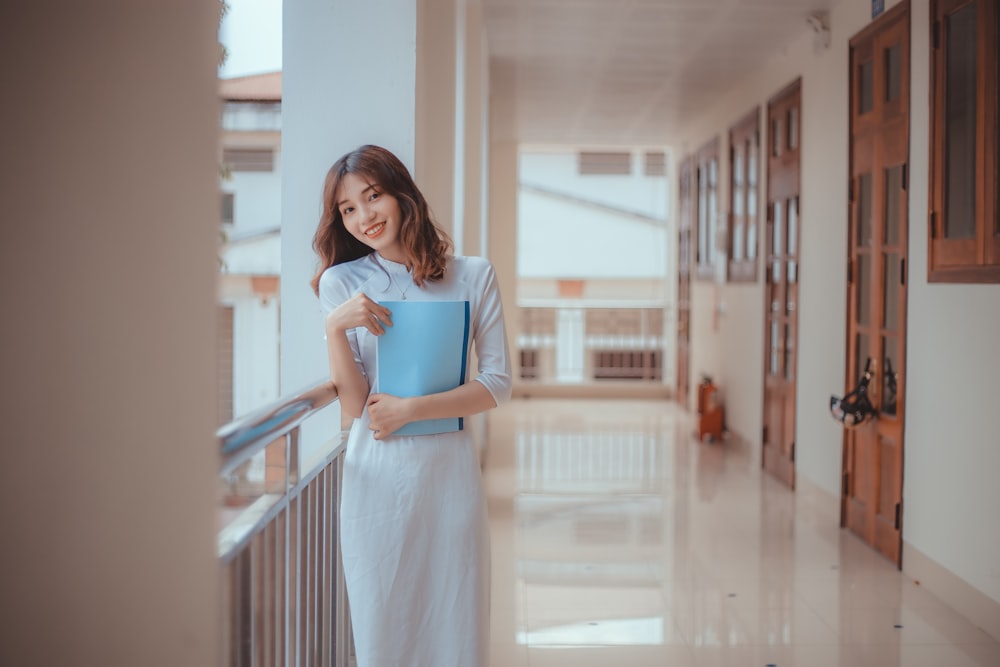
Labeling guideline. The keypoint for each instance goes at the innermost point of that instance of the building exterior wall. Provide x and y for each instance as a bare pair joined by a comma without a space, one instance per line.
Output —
579,226
252,252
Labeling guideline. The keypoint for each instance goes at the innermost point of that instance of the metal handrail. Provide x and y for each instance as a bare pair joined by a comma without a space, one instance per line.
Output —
283,586
242,438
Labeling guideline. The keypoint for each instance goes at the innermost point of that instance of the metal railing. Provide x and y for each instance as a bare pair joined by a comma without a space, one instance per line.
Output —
581,343
284,599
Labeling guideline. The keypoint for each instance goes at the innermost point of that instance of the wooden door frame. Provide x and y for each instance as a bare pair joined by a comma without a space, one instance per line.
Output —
685,220
767,148
883,24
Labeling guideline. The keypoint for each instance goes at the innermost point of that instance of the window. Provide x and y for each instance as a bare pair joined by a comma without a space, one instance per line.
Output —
656,163
707,204
224,364
248,159
228,207
744,171
964,228
605,164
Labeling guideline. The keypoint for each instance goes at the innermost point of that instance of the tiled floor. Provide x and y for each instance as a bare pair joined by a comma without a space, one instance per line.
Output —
618,540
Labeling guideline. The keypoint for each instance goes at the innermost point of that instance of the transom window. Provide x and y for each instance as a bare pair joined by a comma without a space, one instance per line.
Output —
744,170
964,226
707,204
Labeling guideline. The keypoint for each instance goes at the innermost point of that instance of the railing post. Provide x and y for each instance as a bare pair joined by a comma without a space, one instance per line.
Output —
342,629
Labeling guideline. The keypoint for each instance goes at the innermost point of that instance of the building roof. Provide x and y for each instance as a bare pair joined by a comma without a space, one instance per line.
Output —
264,87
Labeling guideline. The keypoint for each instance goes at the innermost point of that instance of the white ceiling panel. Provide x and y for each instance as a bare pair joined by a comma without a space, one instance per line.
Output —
630,71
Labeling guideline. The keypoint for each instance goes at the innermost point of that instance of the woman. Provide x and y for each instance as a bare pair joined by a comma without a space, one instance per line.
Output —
413,515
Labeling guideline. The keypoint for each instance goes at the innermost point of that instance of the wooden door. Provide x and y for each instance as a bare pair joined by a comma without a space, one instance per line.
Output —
781,307
685,223
871,504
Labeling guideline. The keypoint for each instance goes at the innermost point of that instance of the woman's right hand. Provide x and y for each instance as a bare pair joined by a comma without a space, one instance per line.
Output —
359,311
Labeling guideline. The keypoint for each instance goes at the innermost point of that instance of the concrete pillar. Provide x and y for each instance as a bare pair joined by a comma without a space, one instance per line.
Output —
438,100
475,166
349,79
570,345
501,235
108,268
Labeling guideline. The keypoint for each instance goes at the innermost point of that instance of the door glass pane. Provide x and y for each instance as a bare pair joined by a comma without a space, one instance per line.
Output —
713,208
866,87
890,379
738,240
893,72
777,294
776,136
685,249
864,290
702,215
752,161
789,351
865,209
793,225
775,357
793,271
738,165
793,128
737,199
751,226
776,228
893,199
777,289
791,289
890,282
960,124
863,352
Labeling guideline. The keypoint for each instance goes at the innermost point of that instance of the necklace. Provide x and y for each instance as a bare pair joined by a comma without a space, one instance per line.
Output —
392,279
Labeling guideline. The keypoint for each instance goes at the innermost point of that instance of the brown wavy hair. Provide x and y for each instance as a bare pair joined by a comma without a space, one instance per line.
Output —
425,245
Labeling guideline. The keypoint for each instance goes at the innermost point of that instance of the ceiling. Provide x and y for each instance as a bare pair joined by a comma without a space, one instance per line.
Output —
629,72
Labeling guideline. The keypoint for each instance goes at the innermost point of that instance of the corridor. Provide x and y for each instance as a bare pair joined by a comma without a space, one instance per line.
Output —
619,540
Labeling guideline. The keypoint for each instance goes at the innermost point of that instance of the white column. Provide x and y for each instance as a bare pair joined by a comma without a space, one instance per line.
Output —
570,348
436,106
110,206
349,79
476,131
501,228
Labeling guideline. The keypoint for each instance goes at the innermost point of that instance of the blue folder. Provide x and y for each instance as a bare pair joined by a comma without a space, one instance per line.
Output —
425,351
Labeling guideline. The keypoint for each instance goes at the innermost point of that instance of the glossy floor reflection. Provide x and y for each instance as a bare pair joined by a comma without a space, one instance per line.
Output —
620,540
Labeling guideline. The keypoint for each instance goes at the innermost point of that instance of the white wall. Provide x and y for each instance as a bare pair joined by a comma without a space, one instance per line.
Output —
733,352
107,276
257,201
951,442
556,169
950,494
255,353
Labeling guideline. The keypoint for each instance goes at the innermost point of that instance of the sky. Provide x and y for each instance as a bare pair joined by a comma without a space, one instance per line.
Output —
251,31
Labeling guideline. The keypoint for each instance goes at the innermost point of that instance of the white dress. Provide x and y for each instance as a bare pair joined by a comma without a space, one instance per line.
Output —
413,527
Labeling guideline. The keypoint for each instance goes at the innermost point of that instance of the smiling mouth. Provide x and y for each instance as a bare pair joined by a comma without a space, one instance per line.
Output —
375,230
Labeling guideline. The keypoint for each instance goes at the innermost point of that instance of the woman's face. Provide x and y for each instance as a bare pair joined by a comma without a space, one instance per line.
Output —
371,215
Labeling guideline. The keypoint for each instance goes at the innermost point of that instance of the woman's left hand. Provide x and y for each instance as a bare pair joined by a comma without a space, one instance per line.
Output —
387,414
